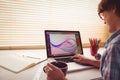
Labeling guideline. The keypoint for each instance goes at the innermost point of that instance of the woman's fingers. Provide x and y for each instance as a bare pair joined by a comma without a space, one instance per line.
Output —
51,66
47,69
75,56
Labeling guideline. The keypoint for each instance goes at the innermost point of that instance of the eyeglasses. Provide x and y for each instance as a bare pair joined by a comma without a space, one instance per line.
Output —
101,15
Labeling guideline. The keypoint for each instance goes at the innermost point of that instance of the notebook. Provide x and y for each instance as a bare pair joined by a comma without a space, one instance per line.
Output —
64,44
20,60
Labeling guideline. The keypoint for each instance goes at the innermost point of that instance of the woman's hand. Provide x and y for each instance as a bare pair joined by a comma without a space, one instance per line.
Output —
54,73
80,59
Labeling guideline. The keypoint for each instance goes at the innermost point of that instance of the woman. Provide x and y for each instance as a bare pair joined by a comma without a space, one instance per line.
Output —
109,12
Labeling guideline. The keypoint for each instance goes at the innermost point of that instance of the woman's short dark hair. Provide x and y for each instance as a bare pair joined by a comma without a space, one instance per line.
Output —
105,5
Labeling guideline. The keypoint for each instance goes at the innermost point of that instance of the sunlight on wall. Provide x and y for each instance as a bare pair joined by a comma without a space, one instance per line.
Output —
23,21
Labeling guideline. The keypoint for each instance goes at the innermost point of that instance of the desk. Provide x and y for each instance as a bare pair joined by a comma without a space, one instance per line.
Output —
30,73
84,75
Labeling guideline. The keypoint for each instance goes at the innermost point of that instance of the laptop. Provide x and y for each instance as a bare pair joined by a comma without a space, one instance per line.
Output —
61,45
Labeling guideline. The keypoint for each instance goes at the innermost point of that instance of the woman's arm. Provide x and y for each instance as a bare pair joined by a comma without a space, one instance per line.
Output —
84,60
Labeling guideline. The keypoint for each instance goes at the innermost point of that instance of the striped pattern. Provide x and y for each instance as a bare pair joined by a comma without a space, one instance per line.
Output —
22,22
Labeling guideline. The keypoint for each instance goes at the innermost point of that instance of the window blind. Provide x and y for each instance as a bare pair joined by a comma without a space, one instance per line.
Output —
22,22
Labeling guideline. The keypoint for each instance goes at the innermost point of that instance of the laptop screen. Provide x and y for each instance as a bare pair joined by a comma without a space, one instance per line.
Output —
62,43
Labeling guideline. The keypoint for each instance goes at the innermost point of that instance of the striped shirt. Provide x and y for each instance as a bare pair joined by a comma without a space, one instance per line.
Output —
110,62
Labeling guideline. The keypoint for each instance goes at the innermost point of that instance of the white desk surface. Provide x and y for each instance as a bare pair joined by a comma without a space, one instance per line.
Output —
33,72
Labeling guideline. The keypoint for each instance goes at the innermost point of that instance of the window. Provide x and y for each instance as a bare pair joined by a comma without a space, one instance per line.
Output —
22,22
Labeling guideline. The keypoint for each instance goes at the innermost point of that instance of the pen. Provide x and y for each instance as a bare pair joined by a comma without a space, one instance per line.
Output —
30,57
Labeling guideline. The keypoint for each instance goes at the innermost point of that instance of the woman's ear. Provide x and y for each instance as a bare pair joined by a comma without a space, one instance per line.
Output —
114,10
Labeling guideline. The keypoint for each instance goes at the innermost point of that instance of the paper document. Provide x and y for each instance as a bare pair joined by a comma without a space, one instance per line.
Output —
17,63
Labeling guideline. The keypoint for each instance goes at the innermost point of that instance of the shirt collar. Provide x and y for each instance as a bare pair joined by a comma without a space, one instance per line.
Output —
116,33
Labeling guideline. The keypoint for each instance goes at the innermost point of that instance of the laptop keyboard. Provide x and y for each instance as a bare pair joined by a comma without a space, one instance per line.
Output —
65,59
